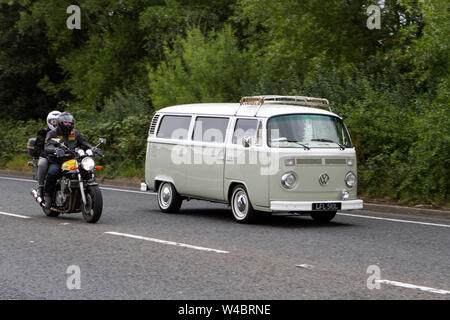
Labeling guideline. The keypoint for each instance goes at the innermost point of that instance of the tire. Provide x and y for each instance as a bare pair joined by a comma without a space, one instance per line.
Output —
169,201
323,216
94,204
241,206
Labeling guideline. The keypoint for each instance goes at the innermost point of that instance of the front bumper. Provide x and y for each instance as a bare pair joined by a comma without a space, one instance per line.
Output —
307,205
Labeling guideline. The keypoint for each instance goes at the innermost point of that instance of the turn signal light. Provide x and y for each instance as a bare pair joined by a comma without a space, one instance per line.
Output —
73,168
99,167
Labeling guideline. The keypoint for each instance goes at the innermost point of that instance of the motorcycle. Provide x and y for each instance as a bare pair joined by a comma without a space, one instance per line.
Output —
76,189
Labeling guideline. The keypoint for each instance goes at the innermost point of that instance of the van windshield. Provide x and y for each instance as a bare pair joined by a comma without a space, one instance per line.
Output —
311,130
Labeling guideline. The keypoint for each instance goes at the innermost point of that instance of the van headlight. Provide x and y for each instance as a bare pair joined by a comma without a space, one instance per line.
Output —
288,180
88,164
350,179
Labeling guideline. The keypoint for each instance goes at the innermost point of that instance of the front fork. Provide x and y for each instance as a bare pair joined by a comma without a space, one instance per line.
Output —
80,180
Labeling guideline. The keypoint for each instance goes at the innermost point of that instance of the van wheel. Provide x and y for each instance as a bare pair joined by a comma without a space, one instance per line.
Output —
169,200
241,207
324,216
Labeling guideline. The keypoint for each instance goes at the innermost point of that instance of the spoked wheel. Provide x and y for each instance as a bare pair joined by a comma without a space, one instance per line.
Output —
94,205
241,207
324,216
169,200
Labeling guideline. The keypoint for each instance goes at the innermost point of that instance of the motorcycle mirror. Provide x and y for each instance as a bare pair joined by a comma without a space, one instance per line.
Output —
101,141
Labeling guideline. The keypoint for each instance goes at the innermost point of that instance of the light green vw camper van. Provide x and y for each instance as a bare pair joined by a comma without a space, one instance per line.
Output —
278,154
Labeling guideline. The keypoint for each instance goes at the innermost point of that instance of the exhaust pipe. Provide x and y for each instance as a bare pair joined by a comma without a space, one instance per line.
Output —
38,199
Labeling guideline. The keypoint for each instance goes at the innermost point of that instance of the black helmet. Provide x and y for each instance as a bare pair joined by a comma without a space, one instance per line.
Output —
66,122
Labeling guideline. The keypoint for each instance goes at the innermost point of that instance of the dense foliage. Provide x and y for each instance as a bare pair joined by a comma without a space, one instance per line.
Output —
131,57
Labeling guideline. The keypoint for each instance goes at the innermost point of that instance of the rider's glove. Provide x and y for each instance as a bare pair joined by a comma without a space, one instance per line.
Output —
60,153
97,151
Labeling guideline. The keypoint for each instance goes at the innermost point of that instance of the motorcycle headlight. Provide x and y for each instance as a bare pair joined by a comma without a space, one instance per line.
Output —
288,180
350,179
88,164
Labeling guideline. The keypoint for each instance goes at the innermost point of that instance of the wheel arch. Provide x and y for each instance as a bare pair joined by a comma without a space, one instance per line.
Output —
231,186
160,179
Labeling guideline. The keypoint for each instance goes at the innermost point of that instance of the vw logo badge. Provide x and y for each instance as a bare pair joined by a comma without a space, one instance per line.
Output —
323,179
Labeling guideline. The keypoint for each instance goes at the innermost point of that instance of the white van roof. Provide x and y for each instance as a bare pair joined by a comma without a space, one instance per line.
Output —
236,109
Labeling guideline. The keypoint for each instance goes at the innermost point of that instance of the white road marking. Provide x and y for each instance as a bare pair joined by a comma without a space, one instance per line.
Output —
412,286
173,243
125,190
14,215
105,188
17,179
395,220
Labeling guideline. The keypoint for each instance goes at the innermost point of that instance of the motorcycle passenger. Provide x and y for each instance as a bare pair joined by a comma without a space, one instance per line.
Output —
52,120
56,156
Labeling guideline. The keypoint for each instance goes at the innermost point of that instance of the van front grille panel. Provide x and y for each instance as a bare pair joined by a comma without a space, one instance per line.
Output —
308,161
320,161
335,161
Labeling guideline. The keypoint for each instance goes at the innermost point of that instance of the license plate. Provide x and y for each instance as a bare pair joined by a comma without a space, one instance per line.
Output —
326,206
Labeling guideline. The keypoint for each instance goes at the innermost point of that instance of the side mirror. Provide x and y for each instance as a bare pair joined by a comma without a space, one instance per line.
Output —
246,141
101,141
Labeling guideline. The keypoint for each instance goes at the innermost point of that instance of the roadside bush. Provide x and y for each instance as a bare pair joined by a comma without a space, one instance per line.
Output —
14,137
124,123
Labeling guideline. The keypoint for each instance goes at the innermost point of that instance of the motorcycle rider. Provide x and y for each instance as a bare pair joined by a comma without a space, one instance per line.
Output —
52,120
56,156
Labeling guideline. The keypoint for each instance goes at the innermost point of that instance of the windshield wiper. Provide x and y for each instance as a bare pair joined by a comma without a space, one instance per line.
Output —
328,140
300,144
284,139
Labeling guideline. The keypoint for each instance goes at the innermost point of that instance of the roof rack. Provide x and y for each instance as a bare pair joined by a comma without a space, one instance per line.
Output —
295,100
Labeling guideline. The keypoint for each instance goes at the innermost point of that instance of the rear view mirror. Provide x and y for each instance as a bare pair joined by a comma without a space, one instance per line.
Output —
101,141
246,141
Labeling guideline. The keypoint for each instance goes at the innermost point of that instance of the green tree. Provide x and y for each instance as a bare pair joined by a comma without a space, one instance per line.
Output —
24,62
201,69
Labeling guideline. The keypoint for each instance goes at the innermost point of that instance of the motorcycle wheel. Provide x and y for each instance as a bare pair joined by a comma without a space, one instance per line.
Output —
94,205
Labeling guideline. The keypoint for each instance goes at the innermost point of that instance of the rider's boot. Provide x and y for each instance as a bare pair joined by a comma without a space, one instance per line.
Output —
40,191
48,201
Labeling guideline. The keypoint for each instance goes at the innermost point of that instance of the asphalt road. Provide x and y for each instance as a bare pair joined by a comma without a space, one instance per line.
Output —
137,252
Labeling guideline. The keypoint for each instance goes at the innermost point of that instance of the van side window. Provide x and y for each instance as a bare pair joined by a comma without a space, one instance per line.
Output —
244,127
209,129
174,127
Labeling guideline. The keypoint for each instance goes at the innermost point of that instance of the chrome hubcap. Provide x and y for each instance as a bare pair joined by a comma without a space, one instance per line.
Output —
165,196
240,204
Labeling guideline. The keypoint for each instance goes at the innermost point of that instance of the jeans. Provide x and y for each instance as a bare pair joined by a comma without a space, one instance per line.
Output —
54,172
42,170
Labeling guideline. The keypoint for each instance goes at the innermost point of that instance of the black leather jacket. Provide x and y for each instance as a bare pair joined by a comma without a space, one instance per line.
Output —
73,140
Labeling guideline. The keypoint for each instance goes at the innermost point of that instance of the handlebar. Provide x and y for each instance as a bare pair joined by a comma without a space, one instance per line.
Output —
61,145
